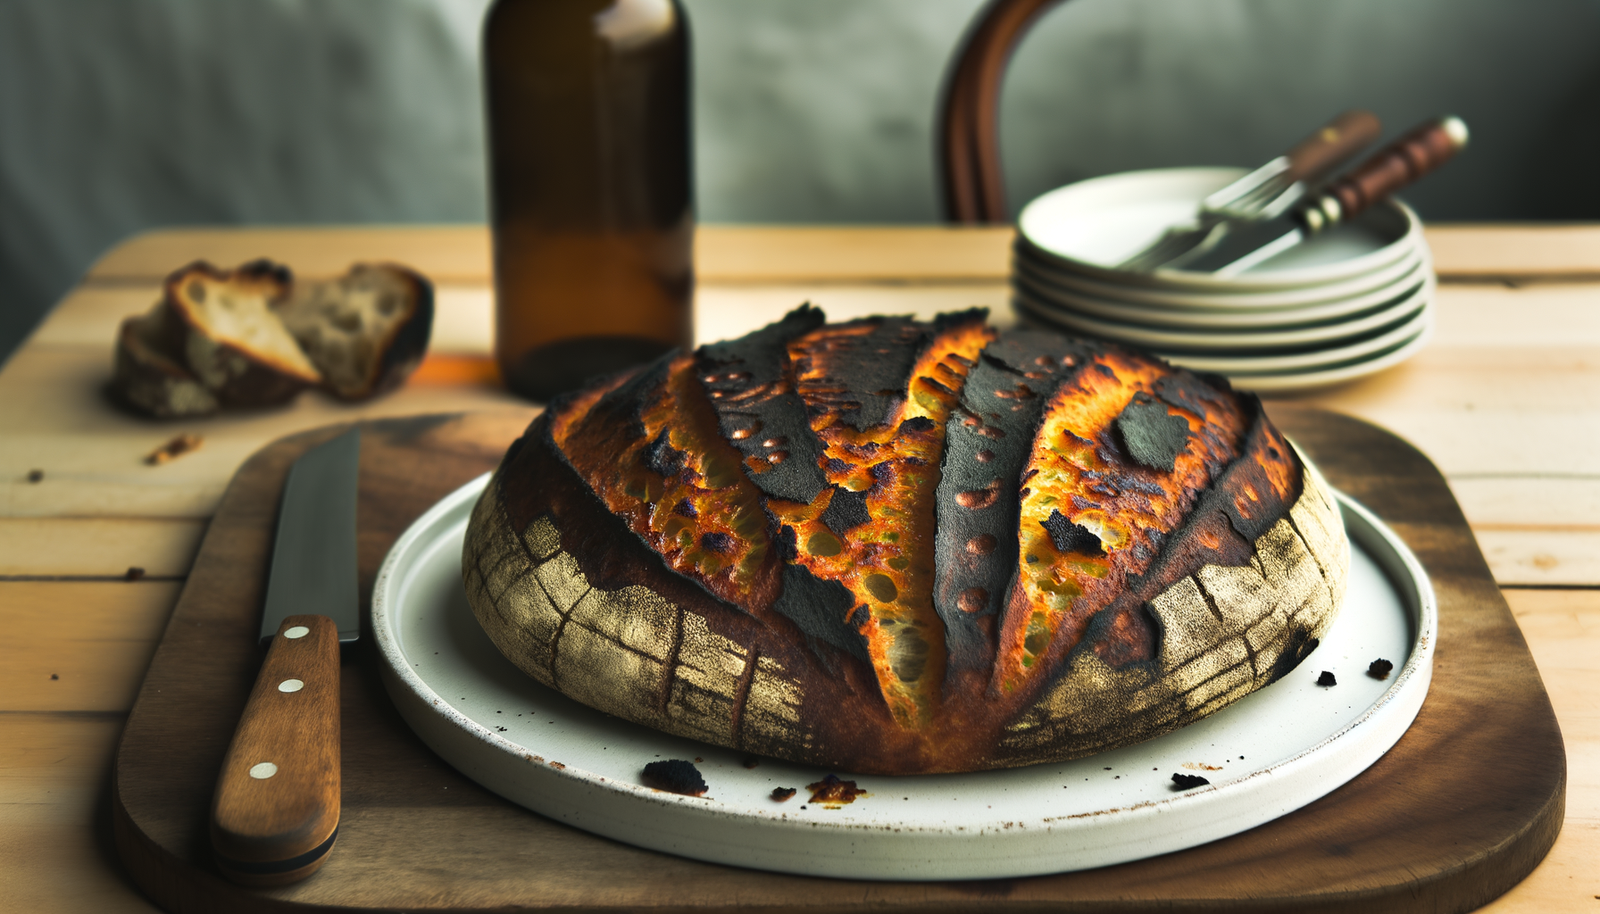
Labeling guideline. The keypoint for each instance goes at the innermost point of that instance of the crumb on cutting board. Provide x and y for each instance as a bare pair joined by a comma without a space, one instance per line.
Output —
177,447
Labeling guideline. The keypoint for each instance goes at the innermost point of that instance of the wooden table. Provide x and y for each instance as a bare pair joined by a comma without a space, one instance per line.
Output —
1506,401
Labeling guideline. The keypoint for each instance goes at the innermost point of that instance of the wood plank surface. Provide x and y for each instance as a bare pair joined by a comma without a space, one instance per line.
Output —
54,782
79,646
1402,834
100,547
756,253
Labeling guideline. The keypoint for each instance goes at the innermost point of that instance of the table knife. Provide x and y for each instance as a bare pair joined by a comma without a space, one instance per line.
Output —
1386,171
1265,192
275,816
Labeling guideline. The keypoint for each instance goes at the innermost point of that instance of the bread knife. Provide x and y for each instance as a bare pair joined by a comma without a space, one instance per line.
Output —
1265,192
275,816
1386,171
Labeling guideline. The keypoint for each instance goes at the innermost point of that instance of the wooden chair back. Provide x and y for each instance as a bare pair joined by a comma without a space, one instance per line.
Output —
968,141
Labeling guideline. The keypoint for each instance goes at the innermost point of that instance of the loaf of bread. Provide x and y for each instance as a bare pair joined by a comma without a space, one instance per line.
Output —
253,337
897,547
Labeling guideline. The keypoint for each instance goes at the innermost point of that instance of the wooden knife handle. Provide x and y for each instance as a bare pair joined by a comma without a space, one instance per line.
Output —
1398,164
1333,145
276,812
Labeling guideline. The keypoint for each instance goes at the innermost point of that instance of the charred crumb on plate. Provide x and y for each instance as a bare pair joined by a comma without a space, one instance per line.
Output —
674,776
1327,679
781,794
833,792
133,573
1188,781
1380,669
751,761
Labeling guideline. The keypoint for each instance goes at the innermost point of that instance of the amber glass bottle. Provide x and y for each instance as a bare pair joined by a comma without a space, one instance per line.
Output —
591,194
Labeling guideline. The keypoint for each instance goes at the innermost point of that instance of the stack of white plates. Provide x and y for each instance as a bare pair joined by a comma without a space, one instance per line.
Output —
1354,301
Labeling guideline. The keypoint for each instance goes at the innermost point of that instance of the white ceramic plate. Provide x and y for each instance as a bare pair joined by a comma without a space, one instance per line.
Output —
1318,359
1329,375
1270,753
1091,226
1328,334
1049,296
1270,303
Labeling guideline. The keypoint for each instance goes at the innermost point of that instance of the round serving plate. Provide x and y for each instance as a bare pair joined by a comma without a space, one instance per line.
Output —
1267,305
1262,363
1268,382
1124,312
1389,312
1088,227
1268,754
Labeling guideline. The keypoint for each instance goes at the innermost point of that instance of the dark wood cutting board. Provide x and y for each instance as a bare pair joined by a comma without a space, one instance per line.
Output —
1466,804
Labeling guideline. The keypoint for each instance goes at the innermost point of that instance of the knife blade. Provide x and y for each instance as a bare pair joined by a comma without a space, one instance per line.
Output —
275,816
1263,193
1395,166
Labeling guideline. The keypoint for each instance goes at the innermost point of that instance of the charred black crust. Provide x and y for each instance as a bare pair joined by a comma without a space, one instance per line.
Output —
742,378
846,511
1150,434
1070,537
874,369
1003,426
821,610
403,352
674,776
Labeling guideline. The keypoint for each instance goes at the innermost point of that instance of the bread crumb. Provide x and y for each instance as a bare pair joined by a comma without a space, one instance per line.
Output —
1188,781
782,793
177,447
1380,669
1327,679
134,573
675,776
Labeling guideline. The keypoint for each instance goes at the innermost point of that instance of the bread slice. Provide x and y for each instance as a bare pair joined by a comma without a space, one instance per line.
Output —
226,325
366,331
151,378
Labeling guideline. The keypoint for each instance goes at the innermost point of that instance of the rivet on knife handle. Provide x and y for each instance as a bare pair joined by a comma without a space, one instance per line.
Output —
276,812
1391,168
1341,138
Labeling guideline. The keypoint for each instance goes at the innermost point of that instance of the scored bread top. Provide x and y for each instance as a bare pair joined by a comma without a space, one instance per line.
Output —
927,528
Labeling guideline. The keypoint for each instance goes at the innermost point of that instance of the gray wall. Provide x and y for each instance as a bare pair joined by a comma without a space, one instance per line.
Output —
117,115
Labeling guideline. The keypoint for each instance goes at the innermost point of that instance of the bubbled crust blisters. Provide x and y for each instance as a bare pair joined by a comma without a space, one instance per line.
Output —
900,547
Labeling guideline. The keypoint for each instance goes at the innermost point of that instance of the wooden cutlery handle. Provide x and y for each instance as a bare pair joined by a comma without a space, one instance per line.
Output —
1333,144
276,812
1398,164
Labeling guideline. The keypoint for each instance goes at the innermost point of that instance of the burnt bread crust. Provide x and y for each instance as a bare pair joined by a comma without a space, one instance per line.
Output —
366,331
999,548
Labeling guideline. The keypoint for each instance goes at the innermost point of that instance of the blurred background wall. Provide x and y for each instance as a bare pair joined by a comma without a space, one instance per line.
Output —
121,115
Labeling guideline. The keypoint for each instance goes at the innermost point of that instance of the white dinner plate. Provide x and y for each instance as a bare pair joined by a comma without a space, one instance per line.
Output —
1389,312
1328,375
1314,360
1269,304
1268,754
1053,297
1090,226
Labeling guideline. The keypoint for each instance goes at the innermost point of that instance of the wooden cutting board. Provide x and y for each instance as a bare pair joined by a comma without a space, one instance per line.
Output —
1466,804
